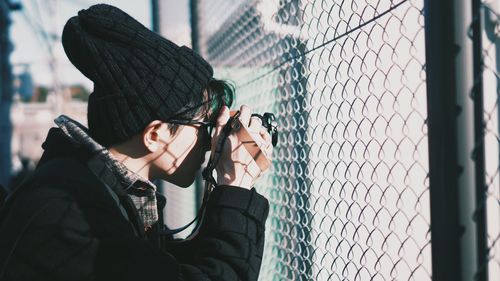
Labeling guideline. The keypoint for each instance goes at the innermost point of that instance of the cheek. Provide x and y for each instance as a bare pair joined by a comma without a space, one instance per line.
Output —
180,147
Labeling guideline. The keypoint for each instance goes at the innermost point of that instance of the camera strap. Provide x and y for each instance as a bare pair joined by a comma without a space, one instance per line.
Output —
210,181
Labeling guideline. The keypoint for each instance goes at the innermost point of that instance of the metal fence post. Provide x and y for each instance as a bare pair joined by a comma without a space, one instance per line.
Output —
479,150
193,21
451,139
193,18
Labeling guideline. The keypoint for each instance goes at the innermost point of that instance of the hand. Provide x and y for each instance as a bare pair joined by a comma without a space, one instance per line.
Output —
236,166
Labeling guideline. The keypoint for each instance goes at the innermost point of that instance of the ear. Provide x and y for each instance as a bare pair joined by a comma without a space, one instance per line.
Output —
153,136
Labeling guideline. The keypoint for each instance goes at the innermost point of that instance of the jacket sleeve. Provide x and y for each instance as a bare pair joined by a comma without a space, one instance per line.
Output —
56,242
230,242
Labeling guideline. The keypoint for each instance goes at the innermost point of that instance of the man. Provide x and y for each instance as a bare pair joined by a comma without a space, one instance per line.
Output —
90,211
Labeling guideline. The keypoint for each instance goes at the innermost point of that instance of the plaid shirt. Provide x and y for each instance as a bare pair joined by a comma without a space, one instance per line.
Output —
112,172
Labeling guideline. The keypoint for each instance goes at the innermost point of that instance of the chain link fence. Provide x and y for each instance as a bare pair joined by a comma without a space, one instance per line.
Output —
489,13
349,184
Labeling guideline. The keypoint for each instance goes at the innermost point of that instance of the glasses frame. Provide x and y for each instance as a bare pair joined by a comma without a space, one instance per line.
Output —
209,125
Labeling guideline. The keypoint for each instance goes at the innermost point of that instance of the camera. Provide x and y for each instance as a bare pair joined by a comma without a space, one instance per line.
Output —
269,122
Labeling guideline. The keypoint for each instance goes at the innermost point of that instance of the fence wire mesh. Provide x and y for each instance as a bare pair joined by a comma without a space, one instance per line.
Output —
348,188
490,23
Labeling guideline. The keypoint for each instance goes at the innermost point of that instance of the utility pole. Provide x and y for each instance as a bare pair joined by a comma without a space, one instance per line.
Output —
57,87
193,17
6,91
155,16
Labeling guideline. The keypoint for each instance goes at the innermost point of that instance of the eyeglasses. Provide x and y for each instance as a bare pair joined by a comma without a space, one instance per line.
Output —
203,124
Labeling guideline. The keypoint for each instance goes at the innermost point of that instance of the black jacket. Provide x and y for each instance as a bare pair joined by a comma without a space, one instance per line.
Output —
64,224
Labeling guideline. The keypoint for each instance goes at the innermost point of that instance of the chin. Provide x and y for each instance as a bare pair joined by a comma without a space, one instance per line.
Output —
185,184
182,177
182,181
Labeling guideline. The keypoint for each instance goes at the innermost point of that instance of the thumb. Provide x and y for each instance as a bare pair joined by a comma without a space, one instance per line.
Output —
220,123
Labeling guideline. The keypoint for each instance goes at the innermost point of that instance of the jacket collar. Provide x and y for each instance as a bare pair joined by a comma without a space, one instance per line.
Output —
78,134
111,171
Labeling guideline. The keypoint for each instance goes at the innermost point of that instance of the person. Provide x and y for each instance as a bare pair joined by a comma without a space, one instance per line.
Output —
90,210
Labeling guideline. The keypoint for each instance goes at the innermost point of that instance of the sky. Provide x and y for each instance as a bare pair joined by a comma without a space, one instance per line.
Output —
53,14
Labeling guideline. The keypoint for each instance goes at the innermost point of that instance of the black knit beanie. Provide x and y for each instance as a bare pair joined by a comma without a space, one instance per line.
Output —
138,75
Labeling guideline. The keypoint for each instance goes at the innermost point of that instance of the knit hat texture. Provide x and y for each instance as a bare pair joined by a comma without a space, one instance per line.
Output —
138,75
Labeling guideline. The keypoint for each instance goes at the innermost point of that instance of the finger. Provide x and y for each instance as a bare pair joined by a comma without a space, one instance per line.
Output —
221,121
255,124
265,135
223,116
256,138
245,114
266,144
